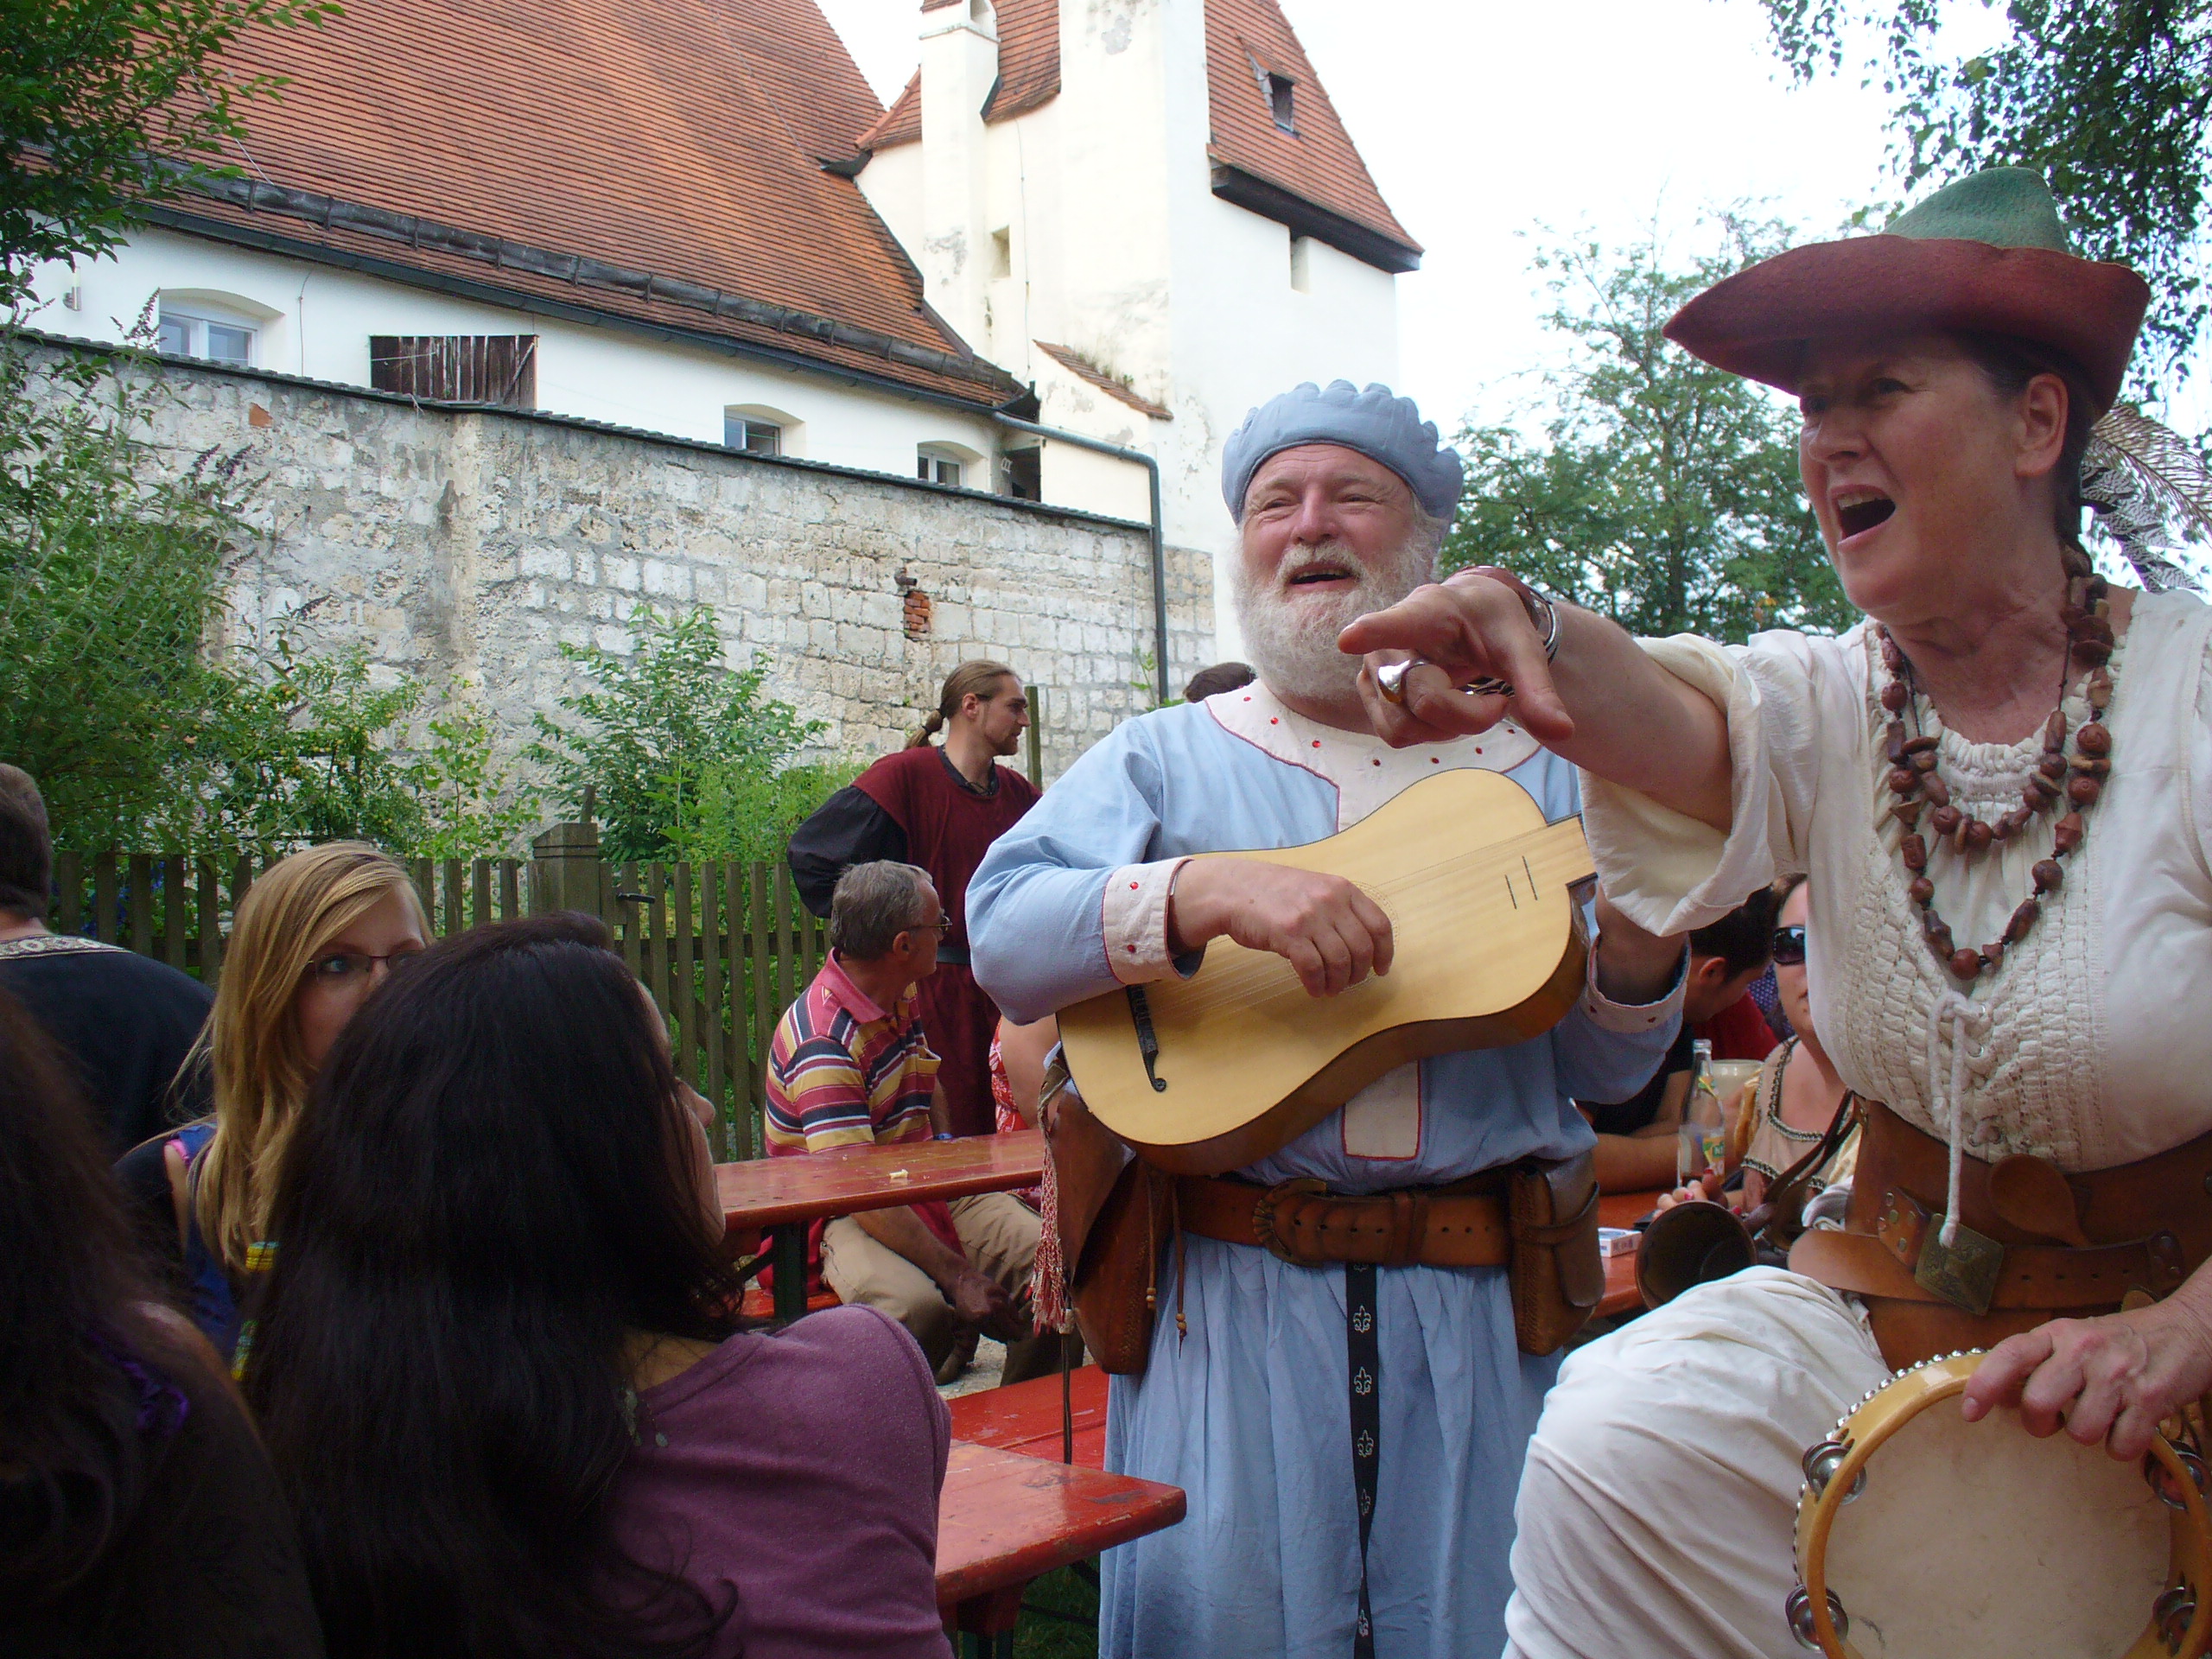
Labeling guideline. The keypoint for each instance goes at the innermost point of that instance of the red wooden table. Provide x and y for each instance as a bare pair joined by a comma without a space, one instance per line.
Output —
1005,1519
785,1194
1622,1210
1024,1417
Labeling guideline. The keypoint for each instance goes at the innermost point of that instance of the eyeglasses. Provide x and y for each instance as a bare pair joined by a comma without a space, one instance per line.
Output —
942,926
343,967
1789,946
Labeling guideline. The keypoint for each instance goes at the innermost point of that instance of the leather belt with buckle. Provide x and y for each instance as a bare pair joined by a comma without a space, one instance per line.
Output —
1303,1222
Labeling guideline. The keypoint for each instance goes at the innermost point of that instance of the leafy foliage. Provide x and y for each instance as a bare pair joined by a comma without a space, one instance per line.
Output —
667,733
741,811
112,560
110,572
1665,492
105,102
2111,100
311,749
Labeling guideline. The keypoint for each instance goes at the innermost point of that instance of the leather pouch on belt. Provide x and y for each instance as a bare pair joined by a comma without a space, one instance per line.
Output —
1557,1276
1112,1219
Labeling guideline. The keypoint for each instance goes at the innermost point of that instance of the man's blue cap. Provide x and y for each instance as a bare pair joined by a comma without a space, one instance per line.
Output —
1380,426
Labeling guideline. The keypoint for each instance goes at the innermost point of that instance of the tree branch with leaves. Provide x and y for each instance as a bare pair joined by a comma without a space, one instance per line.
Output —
104,104
2110,100
1663,492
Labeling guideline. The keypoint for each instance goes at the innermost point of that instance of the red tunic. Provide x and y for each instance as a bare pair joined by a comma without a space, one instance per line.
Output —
944,824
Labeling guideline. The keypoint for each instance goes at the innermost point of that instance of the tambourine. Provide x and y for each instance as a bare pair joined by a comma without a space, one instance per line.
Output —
1921,1536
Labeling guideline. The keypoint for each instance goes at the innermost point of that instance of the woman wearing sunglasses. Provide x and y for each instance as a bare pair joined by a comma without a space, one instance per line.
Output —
314,935
1797,1094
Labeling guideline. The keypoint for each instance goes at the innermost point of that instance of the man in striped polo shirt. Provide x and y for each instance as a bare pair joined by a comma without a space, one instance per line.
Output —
851,1065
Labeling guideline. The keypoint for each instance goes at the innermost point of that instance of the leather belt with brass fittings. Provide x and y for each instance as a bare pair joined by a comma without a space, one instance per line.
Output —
1905,1259
1305,1224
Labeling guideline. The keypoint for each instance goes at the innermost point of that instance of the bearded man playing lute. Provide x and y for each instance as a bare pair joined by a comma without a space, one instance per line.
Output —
1350,1435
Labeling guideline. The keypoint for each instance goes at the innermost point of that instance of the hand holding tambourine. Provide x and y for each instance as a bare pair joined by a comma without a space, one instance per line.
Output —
2113,1379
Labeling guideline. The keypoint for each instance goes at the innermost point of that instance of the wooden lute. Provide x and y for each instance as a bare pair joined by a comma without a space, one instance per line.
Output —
1206,1074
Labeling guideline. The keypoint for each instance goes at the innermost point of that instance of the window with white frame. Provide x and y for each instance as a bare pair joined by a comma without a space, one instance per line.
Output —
753,434
937,463
195,333
763,430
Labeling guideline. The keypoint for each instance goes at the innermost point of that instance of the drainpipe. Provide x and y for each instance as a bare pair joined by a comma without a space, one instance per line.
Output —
1151,465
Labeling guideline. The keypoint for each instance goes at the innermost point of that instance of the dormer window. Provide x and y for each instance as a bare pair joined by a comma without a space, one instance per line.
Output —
1281,105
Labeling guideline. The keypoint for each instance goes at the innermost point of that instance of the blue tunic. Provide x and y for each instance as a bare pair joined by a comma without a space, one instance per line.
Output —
1249,1412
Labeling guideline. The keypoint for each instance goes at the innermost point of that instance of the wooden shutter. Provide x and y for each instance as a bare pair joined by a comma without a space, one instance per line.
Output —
496,369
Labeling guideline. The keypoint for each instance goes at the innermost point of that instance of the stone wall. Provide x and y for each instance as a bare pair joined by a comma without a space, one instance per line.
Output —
463,547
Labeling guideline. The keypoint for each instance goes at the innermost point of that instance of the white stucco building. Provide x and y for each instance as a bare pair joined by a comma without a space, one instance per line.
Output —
1127,219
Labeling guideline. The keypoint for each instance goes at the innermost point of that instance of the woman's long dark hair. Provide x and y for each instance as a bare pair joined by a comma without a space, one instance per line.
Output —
490,1190
80,1406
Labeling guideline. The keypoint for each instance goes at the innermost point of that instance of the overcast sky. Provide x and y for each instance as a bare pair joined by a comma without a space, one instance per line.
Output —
1482,122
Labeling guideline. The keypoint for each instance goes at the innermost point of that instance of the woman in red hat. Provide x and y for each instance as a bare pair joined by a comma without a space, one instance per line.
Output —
2000,785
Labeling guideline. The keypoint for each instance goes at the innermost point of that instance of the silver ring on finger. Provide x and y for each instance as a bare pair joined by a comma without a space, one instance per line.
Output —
1390,680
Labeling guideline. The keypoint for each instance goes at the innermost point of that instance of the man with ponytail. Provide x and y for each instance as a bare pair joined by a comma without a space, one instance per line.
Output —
939,806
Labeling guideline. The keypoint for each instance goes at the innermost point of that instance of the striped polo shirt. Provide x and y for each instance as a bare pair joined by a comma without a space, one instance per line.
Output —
843,1072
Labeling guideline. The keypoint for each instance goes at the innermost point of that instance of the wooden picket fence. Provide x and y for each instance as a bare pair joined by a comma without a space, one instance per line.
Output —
723,946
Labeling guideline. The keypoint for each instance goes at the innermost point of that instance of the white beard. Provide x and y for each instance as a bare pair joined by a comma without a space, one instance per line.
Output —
1292,640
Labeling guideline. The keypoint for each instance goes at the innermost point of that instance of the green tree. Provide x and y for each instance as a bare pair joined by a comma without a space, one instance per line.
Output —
2110,99
302,749
112,558
104,103
1664,493
657,724
741,811
110,572
471,806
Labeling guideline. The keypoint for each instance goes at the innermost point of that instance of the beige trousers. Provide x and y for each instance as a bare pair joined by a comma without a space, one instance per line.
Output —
999,1233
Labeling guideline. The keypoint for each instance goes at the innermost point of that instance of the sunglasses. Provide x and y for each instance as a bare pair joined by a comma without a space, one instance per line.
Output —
1789,946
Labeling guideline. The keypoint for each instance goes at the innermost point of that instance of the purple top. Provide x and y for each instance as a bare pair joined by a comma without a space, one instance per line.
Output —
800,1469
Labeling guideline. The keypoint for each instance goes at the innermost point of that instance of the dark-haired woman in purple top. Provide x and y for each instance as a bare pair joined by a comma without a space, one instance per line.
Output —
499,1369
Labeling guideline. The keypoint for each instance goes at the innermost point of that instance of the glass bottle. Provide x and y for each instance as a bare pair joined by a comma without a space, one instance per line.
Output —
1704,1141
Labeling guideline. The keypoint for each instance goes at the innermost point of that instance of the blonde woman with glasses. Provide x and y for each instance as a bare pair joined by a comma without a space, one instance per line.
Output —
314,936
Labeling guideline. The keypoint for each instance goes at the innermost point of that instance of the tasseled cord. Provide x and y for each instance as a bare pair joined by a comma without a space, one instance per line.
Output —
1959,1010
1151,1226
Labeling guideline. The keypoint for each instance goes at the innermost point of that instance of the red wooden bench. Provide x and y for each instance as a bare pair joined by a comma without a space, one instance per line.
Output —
1024,1417
1005,1519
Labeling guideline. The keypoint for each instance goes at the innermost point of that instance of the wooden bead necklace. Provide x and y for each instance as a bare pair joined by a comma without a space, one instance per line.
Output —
1911,762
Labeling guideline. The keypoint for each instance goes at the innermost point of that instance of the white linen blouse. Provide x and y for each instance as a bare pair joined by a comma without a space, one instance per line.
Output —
2092,1043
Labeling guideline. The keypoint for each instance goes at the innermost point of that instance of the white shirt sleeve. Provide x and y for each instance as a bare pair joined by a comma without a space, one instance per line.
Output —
1670,872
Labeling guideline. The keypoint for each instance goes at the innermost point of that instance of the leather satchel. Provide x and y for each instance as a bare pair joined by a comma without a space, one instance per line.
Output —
1112,1218
1557,1276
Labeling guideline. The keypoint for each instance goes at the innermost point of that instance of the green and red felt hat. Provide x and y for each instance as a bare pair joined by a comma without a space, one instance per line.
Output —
1986,255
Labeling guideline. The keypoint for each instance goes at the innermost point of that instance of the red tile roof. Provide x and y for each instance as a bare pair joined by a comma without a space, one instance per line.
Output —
1317,165
1084,369
679,140
1312,179
901,124
1029,73
1029,58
